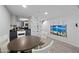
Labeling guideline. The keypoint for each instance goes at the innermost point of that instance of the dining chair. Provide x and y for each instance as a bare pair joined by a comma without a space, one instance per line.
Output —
45,47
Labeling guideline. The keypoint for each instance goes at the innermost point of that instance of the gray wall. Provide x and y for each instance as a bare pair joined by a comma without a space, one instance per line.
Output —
4,21
4,28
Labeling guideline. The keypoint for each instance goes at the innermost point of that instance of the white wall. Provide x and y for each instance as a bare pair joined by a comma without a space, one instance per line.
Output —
4,25
63,15
13,20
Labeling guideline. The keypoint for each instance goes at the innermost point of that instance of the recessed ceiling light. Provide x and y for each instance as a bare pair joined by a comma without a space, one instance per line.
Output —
46,13
24,6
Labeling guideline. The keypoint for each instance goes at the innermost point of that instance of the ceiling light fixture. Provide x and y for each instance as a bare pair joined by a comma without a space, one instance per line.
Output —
23,19
24,6
46,13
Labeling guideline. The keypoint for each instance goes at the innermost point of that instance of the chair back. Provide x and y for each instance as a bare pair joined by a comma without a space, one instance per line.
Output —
45,48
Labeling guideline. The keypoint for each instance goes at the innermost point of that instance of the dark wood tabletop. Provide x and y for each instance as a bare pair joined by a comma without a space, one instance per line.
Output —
24,43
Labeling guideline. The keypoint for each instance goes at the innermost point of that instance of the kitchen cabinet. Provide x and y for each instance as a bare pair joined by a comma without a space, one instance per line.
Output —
13,34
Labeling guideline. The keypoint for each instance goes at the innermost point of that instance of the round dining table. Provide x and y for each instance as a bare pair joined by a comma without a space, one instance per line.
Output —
24,43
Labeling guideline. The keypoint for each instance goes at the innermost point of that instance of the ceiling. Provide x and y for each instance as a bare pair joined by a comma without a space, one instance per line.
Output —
34,10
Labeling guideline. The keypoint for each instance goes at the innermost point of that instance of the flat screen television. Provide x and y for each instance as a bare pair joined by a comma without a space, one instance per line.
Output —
60,30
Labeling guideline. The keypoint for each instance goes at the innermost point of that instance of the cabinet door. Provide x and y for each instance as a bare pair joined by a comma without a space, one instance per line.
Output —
13,35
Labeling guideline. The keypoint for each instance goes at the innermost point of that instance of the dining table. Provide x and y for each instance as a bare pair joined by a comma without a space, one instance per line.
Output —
25,43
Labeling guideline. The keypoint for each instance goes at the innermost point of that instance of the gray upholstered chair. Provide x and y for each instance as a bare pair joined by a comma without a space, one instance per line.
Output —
45,47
